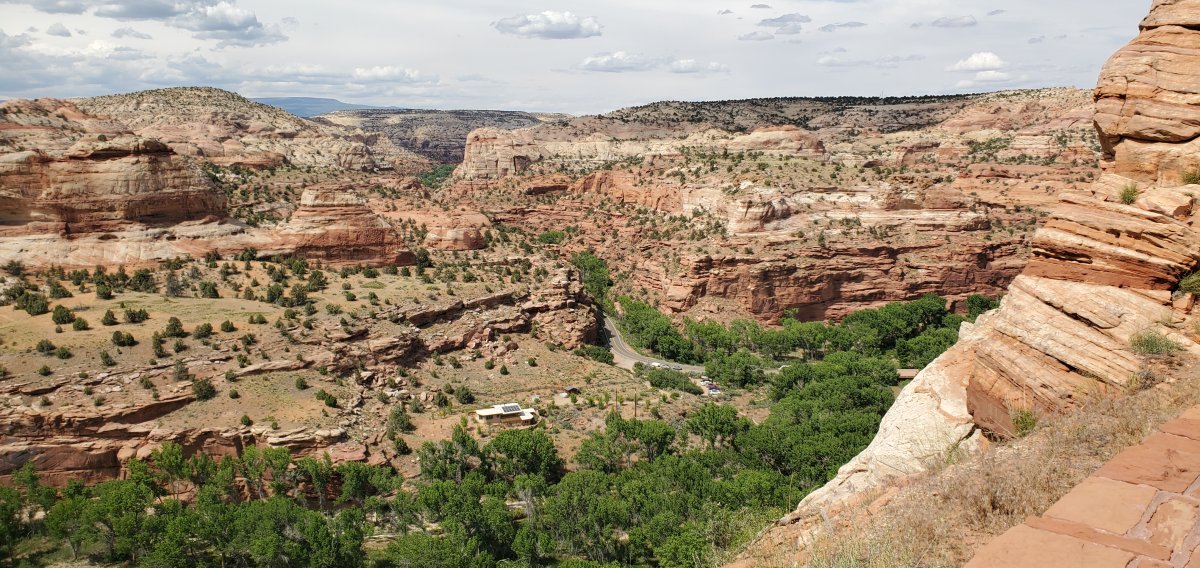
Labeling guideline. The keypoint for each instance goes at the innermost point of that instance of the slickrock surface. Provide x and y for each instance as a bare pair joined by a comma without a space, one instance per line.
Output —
1100,272
1140,509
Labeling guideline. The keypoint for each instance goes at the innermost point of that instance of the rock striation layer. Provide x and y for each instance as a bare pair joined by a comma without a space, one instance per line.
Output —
1103,269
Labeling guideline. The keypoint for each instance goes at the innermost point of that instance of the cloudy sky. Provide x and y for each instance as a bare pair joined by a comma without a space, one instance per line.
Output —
577,56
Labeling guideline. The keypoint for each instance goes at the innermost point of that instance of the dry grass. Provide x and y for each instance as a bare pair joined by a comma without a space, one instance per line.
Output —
943,518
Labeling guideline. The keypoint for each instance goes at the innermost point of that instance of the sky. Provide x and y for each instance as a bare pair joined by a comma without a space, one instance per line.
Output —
584,56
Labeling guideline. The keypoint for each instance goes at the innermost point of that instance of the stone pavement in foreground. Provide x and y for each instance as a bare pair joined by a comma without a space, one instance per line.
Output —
1138,511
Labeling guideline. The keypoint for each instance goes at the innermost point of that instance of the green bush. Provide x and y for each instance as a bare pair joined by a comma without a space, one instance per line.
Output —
1190,283
595,353
203,389
1151,343
1024,421
1130,194
80,324
1192,176
62,315
109,319
227,327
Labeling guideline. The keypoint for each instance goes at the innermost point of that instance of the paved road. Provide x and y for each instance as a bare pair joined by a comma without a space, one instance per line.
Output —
625,356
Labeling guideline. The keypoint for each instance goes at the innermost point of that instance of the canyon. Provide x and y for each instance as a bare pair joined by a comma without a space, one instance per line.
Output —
1104,269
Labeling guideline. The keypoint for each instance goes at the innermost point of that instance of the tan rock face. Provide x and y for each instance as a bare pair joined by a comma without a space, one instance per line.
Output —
337,227
227,129
69,173
1100,272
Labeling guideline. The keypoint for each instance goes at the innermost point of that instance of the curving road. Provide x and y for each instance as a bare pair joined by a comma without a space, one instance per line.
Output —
625,356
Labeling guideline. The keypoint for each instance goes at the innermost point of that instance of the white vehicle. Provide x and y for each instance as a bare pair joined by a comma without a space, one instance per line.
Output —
714,392
677,367
657,365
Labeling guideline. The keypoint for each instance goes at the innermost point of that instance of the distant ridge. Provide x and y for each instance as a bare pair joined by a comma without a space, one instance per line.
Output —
308,107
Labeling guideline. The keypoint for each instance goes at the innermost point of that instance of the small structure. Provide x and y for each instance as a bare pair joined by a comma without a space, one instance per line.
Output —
510,414
572,390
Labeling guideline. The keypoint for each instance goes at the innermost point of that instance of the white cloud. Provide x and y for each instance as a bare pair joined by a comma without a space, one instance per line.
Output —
955,22
54,6
790,29
756,36
692,66
549,25
981,61
724,12
784,20
58,29
881,62
130,32
992,76
760,7
623,61
997,12
618,62
840,25
389,74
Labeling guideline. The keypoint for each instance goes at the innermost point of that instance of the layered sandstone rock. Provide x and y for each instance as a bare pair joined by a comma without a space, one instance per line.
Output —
67,173
1101,272
335,226
227,129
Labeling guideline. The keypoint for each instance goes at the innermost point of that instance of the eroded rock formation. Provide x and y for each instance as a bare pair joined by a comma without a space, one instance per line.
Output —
1103,269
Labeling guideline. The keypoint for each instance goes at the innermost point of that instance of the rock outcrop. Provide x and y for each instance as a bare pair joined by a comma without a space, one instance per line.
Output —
227,129
795,204
1103,269
439,135
68,173
335,226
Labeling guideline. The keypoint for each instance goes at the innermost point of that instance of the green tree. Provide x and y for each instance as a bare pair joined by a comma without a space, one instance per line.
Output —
716,424
520,452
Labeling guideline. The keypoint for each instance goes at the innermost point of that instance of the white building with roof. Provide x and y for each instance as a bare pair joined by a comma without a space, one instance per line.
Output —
509,414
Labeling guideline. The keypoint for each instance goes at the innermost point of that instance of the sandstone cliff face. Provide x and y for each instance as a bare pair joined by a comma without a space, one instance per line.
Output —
1101,271
335,226
64,172
869,202
435,134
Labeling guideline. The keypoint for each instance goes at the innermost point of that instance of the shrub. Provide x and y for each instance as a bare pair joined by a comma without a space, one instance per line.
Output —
441,400
1130,194
1190,283
489,364
45,347
174,328
203,389
62,315
503,369
246,421
33,303
209,290
327,398
109,319
233,393
1151,343
44,371
399,421
136,316
301,383
227,327
402,447
464,395
63,353
106,359
1192,176
595,353
103,292
80,324
146,383
180,371
122,339
1024,421
203,331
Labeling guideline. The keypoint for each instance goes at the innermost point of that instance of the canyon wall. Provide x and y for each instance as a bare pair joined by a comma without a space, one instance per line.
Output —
1103,269
869,202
